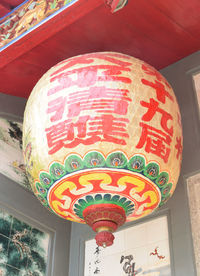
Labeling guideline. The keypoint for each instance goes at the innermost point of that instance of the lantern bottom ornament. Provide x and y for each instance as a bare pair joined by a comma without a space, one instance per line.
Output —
104,219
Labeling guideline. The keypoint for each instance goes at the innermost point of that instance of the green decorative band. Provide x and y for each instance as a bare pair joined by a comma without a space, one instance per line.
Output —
95,159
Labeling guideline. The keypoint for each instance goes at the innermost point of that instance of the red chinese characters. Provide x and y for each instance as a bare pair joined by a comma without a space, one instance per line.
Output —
94,112
179,147
152,72
153,108
57,107
154,139
85,77
160,90
100,99
87,130
89,59
88,75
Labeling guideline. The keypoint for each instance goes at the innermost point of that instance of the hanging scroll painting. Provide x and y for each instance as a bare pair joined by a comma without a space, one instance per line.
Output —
135,252
11,157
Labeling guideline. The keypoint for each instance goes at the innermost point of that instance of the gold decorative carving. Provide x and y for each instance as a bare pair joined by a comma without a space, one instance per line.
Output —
28,16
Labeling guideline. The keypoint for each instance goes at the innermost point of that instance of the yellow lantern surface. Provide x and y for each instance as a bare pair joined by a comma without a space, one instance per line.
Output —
102,128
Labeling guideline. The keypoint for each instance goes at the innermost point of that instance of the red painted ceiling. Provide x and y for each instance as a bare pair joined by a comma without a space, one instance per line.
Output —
7,6
159,32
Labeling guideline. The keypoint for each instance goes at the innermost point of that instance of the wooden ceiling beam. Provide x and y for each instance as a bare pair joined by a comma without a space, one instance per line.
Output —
48,29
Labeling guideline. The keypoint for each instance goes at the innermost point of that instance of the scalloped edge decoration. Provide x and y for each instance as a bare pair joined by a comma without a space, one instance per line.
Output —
116,160
106,198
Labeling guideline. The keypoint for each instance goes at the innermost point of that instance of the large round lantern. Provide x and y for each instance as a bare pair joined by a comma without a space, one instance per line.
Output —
102,140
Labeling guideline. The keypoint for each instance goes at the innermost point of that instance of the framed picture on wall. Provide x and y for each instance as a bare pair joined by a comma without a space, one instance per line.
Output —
24,247
193,190
196,78
12,161
142,249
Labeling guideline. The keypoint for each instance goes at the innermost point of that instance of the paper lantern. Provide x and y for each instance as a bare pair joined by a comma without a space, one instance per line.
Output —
102,140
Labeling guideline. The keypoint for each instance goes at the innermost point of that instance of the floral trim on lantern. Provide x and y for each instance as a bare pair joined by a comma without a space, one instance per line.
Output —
66,192
93,160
